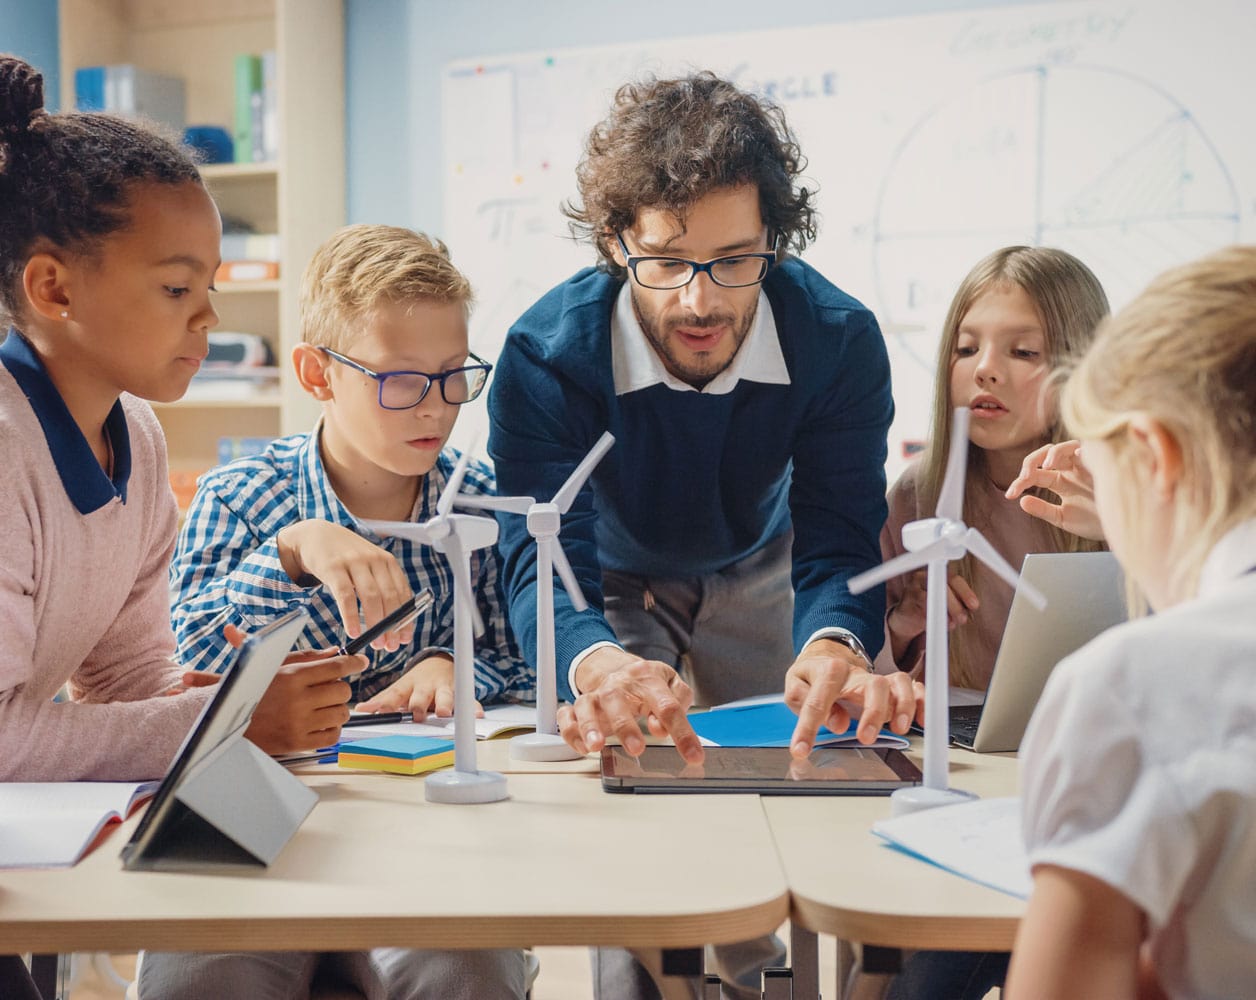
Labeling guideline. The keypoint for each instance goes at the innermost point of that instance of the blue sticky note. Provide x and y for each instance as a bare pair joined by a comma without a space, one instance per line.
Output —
401,747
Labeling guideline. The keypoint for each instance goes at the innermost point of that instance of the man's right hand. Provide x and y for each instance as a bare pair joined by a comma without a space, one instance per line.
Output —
365,581
619,689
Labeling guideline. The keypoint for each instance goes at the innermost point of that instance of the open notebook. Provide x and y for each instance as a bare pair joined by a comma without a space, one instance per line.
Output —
978,840
52,824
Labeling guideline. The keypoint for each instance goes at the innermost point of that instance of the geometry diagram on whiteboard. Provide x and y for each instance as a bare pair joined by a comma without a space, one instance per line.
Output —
1096,162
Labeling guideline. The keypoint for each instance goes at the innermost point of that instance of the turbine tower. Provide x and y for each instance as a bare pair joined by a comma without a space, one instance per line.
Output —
456,535
934,542
544,524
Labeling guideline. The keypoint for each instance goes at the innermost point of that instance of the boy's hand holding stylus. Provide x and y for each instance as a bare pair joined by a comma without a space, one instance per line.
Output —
365,581
306,703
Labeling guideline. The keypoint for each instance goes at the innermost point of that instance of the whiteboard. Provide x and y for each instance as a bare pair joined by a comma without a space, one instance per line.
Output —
1120,132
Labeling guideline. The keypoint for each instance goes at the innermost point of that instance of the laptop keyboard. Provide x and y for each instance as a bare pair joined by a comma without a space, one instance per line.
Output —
964,722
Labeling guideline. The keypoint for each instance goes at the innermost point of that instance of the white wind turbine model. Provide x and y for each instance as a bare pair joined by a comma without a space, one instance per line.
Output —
544,524
934,542
456,535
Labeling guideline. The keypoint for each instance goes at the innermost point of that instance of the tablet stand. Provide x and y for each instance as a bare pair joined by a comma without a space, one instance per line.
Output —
238,806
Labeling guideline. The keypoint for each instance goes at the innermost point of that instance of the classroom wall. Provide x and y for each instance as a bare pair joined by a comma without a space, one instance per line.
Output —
395,50
29,29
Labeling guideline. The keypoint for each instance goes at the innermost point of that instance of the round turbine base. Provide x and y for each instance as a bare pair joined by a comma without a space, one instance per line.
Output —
464,787
918,798
541,746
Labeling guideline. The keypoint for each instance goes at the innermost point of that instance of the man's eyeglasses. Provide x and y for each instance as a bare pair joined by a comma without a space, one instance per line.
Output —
666,273
404,390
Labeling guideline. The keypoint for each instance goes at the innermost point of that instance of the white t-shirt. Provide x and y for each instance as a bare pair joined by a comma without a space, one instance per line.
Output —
1139,769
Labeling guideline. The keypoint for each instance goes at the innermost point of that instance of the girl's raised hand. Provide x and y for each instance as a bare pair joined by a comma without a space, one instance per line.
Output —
1060,469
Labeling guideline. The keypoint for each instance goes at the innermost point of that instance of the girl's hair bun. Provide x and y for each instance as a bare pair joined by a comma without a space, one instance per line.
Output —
21,95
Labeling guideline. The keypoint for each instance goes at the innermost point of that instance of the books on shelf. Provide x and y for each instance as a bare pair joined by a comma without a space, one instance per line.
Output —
183,485
53,824
126,89
255,123
250,246
231,448
240,382
769,722
247,270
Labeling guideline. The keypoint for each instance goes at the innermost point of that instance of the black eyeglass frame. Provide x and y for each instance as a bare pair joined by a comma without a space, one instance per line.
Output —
695,267
433,378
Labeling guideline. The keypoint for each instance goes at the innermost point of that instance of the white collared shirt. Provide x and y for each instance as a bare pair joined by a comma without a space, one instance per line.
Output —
636,365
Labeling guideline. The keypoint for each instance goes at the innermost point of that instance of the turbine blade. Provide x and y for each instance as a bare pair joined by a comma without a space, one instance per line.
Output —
905,563
951,498
464,596
565,573
514,505
567,493
411,530
476,532
446,502
976,543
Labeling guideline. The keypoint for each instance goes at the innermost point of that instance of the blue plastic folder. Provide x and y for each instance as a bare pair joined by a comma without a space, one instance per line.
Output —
771,724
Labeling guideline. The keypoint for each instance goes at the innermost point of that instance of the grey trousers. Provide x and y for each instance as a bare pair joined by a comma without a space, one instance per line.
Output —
729,635
381,974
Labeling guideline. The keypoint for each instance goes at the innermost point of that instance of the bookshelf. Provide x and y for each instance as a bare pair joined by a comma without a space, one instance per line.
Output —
300,196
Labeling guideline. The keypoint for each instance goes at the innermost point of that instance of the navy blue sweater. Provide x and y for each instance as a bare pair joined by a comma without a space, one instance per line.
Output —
696,482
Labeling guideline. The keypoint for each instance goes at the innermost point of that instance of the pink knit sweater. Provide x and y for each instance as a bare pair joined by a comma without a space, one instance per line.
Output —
84,599
1008,528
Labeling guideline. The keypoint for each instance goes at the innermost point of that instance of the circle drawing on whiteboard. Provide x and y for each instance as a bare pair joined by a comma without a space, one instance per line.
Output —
1094,161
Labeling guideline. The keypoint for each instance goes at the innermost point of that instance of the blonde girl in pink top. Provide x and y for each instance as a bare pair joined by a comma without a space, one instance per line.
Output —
1017,314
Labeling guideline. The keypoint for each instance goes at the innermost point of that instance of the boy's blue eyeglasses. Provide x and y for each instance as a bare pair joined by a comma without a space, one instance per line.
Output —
404,390
669,273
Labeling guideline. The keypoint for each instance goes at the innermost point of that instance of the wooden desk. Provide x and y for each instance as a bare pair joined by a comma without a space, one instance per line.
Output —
376,865
847,882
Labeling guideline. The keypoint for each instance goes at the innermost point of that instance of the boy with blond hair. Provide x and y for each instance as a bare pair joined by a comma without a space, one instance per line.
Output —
384,317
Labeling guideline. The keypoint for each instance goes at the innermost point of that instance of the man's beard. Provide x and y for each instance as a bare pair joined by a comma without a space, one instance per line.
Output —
700,371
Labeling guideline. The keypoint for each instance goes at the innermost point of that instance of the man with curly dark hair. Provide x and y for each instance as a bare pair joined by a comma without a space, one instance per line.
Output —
749,399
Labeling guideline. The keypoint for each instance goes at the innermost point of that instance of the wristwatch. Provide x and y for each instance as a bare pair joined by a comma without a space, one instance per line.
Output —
857,647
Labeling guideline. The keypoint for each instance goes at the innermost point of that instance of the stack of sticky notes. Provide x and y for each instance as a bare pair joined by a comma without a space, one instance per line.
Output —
398,754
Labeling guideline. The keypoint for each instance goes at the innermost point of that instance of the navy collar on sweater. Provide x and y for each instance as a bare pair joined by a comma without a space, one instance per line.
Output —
85,482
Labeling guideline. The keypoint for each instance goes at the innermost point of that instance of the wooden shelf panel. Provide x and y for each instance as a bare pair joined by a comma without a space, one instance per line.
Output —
247,287
239,171
261,401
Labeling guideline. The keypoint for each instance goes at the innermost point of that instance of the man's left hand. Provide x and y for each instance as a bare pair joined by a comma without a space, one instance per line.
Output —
828,673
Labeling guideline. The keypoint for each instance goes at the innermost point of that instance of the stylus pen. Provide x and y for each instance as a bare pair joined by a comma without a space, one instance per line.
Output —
395,619
378,719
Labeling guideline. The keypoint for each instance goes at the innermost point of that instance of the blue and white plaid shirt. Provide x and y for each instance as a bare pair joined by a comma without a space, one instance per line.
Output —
226,569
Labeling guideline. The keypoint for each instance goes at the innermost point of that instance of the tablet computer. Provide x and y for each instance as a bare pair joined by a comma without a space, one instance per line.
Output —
760,770
224,717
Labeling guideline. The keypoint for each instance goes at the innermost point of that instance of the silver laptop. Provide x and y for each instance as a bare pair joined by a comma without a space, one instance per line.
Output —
1085,595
